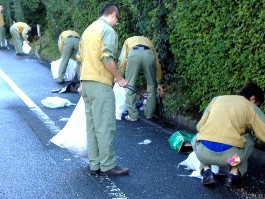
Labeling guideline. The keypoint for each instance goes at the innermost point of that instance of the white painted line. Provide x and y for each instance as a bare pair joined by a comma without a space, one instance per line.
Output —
36,110
110,187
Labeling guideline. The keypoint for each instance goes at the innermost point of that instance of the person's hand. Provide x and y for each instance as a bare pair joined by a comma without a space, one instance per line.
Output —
122,82
160,90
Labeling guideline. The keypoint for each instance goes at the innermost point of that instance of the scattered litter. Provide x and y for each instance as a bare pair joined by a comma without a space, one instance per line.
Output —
71,87
56,102
181,141
64,119
146,141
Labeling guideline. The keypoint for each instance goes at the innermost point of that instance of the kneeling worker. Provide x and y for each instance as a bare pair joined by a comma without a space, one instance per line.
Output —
221,138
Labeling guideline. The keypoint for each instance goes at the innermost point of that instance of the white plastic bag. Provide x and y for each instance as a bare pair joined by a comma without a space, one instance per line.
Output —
56,102
26,47
119,93
55,68
192,163
73,135
70,70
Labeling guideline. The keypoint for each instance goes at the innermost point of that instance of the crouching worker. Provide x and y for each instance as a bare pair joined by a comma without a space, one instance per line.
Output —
18,30
68,44
221,138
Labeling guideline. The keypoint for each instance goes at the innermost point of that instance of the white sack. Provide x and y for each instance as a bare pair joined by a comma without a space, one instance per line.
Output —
55,68
192,163
56,102
73,135
6,44
26,47
119,93
70,70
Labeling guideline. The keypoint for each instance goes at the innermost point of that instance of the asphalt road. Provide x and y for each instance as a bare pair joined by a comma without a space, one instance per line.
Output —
33,168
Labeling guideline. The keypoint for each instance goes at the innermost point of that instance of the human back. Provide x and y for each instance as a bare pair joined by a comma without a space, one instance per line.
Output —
228,117
93,50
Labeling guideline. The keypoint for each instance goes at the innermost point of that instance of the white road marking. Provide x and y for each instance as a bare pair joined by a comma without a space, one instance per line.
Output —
110,187
38,112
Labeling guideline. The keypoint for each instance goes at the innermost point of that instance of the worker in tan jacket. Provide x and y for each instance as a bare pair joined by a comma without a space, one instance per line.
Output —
138,54
68,45
19,32
222,139
97,48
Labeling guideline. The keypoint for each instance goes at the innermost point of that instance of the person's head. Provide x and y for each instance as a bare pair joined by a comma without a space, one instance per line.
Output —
253,93
111,14
1,7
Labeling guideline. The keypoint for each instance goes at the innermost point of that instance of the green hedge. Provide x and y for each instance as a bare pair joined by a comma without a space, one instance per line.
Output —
217,46
32,12
206,48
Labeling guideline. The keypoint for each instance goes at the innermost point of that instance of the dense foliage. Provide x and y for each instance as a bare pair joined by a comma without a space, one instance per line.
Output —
206,48
217,46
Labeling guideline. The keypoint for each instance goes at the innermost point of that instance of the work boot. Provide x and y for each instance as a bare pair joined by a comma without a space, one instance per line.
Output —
233,180
95,172
21,54
208,178
116,171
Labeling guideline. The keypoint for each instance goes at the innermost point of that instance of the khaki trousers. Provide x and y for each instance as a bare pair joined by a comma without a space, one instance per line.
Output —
100,123
2,36
141,60
208,157
18,42
70,46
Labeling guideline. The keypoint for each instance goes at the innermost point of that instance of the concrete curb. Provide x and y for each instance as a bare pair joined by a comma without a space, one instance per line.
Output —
181,122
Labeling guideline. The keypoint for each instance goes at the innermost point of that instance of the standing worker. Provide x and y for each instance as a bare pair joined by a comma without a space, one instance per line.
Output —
222,139
17,30
98,45
138,54
68,44
2,29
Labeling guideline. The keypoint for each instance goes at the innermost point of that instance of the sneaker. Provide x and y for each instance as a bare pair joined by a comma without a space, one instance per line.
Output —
233,180
127,117
208,178
116,171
